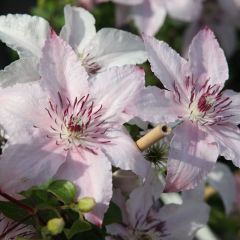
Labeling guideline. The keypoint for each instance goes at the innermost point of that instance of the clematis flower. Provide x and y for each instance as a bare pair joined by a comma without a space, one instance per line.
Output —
67,126
96,50
148,219
206,117
222,17
149,15
19,231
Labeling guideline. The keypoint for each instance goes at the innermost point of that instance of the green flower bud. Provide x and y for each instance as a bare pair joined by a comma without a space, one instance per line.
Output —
55,226
86,204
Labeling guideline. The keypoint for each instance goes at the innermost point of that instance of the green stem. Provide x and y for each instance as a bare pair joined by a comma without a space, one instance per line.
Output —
18,203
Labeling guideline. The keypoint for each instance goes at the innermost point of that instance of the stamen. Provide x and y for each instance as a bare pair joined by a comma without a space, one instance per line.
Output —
75,125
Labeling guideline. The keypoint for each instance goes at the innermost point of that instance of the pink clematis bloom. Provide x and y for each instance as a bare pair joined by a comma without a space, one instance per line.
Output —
97,51
144,217
149,15
70,127
207,116
21,231
222,17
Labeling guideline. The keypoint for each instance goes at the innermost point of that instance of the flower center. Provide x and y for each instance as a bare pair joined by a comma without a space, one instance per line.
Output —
89,63
77,125
208,105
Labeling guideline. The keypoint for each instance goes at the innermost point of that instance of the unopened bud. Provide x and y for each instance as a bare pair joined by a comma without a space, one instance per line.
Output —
55,226
86,204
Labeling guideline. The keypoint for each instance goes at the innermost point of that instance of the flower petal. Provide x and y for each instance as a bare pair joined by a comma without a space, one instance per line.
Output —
61,71
116,229
185,10
32,162
206,57
93,177
234,110
24,33
167,65
112,47
123,153
21,71
116,89
183,221
23,107
152,105
221,179
192,156
228,138
142,198
149,16
79,27
19,231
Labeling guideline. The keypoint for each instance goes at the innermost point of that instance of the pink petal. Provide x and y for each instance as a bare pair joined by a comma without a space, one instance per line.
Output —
23,107
228,138
116,88
20,231
183,221
149,16
234,109
123,153
185,10
93,177
61,71
30,163
167,65
192,156
141,199
116,229
206,57
155,106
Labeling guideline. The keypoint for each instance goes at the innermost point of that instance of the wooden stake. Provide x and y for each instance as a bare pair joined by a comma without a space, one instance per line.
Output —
156,134
209,192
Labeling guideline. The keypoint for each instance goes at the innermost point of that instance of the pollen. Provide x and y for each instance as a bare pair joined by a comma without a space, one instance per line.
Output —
77,124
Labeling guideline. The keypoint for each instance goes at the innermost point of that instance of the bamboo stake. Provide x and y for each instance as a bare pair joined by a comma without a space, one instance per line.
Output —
209,192
156,134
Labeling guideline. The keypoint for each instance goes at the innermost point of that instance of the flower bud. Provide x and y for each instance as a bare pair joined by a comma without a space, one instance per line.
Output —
55,226
86,204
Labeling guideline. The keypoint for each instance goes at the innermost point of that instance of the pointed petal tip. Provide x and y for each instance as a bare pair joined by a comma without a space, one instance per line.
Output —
207,30
53,33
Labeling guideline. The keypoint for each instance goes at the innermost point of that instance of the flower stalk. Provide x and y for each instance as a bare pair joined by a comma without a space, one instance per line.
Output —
18,203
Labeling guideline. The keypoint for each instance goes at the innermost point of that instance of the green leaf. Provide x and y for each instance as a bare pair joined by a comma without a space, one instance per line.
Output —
64,190
77,227
41,198
113,214
13,211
